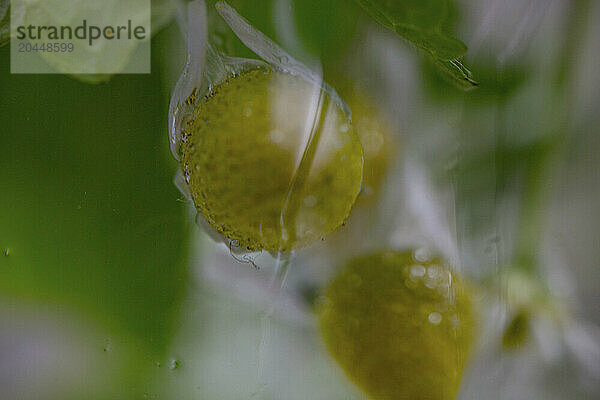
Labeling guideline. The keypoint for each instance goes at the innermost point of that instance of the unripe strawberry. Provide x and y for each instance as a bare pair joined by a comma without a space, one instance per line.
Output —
272,160
400,328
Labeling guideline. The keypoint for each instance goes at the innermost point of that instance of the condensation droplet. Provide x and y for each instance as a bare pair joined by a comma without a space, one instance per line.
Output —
423,255
435,318
174,364
276,136
434,271
417,271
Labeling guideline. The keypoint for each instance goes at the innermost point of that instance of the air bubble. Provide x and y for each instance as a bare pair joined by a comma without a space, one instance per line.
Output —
423,255
435,271
174,364
417,271
435,318
276,136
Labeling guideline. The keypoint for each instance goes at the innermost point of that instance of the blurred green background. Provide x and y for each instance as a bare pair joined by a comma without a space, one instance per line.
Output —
90,219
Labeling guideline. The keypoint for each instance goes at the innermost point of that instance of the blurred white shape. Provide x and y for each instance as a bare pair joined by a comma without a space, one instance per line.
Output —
228,356
432,210
50,354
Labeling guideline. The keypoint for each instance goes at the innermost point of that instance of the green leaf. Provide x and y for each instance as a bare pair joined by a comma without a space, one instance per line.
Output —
439,45
456,73
497,84
426,24
423,22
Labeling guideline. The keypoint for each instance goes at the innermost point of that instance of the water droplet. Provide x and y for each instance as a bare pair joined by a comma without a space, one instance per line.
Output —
276,136
344,128
174,364
107,346
434,271
417,271
423,255
435,318
158,364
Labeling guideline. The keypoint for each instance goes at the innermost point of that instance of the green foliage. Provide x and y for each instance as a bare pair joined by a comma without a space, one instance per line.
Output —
259,13
88,210
426,24
496,84
455,73
423,22
326,27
